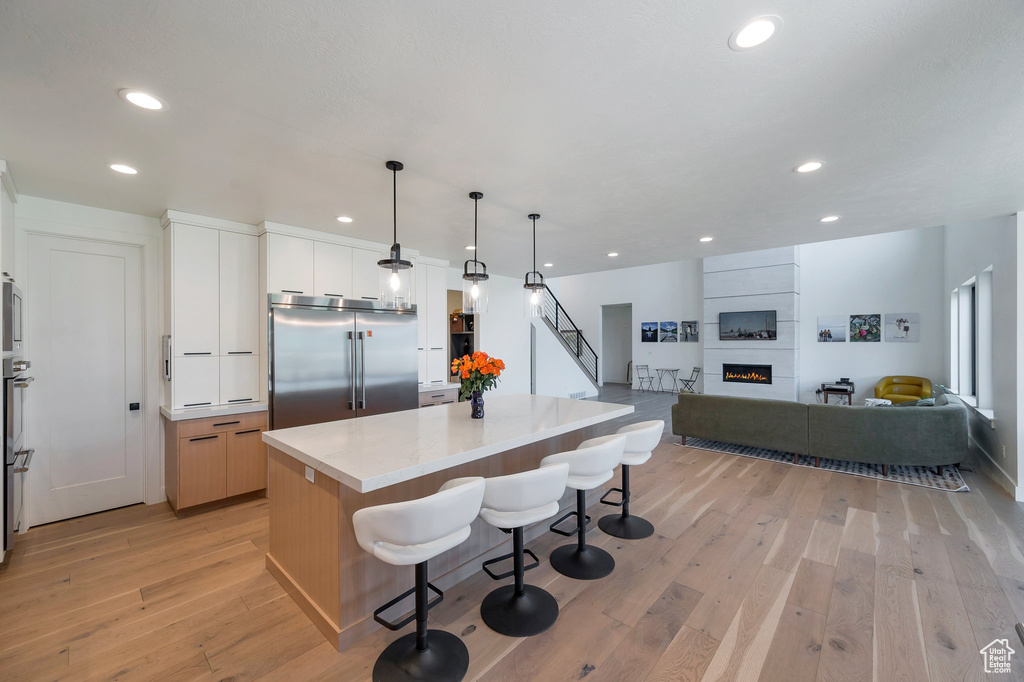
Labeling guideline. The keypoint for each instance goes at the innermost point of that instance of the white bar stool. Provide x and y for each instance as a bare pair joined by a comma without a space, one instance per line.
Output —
590,465
510,503
641,439
410,533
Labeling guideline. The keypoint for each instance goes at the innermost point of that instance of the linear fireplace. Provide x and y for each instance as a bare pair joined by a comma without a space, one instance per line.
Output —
747,374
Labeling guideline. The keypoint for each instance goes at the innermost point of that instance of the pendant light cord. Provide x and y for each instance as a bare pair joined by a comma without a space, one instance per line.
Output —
394,203
476,253
535,245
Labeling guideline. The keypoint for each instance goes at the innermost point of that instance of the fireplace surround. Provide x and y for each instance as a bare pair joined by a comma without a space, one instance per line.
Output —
747,374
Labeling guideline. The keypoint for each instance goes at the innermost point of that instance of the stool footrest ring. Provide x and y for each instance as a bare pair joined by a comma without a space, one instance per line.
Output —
401,624
508,574
574,531
622,497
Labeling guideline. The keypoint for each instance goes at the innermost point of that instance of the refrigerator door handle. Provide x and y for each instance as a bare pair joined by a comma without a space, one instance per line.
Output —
352,348
362,369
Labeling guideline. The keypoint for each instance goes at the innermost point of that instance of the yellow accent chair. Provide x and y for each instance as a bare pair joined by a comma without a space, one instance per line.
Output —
903,389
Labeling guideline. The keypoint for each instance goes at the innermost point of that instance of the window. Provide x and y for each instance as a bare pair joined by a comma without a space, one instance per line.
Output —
970,372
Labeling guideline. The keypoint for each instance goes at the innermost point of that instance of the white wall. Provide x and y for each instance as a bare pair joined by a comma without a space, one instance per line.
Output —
895,272
662,292
969,249
504,330
556,372
616,342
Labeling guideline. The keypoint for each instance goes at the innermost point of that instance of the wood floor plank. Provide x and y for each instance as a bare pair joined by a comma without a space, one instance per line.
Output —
812,587
987,607
921,517
638,653
824,543
862,492
899,639
835,503
706,564
790,544
686,659
847,651
860,531
796,647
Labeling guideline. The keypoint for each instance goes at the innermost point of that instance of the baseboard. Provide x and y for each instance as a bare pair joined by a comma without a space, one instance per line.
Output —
992,469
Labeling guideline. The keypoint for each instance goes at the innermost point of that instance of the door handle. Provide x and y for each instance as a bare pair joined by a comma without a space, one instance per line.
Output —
290,291
23,382
28,458
352,343
362,369
133,406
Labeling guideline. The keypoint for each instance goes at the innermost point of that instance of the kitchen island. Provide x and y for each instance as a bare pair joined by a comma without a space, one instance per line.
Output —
323,473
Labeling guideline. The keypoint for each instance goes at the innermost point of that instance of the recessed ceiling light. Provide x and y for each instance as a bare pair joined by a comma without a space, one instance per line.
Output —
344,219
121,168
829,219
613,254
754,32
142,99
706,239
549,265
470,248
809,167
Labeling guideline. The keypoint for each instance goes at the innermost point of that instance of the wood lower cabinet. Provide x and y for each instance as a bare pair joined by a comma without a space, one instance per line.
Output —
214,458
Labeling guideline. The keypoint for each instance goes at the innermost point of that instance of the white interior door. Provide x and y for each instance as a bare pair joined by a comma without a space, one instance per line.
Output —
84,311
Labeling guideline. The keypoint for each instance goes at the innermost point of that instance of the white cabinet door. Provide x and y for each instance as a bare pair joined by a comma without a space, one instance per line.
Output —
6,234
289,265
239,294
366,274
437,308
438,367
421,308
423,365
196,291
332,270
239,379
196,381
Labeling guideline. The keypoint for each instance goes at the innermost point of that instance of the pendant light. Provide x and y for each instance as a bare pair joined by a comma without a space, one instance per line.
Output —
474,283
395,273
534,282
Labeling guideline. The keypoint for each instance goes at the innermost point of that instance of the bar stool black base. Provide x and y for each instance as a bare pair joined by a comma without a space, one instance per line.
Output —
530,614
626,527
445,660
582,563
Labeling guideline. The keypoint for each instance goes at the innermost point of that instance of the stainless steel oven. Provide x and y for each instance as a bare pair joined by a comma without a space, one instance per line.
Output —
11,306
17,459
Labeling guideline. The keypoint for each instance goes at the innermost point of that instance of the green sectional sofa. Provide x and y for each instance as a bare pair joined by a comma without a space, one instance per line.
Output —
924,436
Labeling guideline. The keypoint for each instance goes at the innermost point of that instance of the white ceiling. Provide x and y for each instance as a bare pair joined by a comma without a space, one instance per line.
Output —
630,126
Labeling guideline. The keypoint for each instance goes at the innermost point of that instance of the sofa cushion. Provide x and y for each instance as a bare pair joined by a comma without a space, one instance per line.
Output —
775,424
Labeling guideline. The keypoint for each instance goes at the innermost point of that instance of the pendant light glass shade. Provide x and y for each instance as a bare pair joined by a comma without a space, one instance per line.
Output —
534,282
474,273
395,273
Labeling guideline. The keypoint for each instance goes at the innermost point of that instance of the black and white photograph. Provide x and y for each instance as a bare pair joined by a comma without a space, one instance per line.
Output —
902,327
758,325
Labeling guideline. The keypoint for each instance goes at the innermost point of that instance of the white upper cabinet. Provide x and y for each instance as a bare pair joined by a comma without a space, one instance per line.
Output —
437,308
420,295
196,286
289,265
332,270
6,234
239,294
366,274
239,379
196,382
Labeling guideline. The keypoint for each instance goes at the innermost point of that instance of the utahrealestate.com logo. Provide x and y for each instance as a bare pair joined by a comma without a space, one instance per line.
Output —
997,655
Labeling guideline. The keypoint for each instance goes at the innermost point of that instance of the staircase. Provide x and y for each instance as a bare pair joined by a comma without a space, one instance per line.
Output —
558,320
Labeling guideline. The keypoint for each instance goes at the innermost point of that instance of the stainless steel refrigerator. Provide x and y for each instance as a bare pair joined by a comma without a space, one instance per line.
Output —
334,358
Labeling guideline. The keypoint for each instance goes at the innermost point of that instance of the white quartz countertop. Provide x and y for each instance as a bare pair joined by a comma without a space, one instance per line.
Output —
214,411
443,386
369,453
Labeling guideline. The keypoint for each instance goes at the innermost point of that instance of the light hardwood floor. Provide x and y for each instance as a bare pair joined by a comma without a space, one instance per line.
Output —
758,571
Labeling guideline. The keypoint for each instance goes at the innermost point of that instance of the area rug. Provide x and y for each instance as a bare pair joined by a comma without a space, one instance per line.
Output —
950,480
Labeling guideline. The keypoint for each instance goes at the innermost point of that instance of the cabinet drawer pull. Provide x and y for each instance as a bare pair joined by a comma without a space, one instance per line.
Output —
290,291
228,423
193,440
197,353
239,352
368,298
195,404
335,295
437,348
241,400
438,381
439,395
239,433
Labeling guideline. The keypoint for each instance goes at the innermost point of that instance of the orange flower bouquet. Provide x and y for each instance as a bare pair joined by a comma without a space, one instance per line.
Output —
478,372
